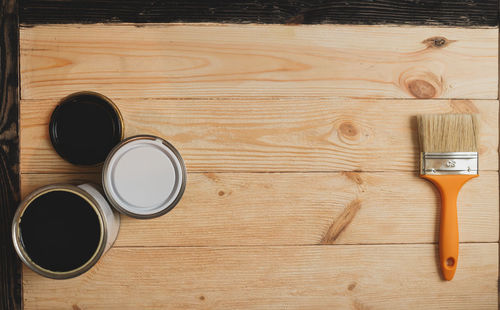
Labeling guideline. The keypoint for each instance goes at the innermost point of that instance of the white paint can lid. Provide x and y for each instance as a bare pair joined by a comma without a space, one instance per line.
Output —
144,176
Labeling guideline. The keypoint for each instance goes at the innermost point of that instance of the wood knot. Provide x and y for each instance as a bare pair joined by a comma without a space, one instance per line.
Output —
348,130
341,222
421,89
221,193
358,305
75,307
212,176
352,286
354,176
421,84
202,297
463,106
437,42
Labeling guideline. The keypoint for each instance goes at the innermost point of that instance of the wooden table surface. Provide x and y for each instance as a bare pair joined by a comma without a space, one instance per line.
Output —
298,130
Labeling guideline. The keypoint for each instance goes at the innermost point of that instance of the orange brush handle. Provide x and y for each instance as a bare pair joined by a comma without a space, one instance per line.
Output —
449,186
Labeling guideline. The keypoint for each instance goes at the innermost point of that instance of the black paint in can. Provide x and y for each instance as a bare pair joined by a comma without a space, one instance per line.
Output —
84,127
60,231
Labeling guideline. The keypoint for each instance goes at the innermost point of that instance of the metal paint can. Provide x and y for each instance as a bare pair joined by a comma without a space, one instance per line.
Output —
144,177
84,127
60,231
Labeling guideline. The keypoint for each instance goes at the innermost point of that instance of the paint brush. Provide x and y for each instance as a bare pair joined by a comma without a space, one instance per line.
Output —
448,158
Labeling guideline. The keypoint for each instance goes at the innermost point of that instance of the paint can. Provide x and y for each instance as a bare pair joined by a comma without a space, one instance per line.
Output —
60,231
84,127
144,177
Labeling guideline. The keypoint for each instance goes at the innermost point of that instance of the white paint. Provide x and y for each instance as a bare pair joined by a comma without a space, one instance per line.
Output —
143,176
111,218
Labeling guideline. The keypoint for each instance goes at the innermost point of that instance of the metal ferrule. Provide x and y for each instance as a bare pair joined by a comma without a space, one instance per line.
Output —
449,163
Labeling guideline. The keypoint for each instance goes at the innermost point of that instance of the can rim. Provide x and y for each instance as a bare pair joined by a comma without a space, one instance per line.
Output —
18,244
125,211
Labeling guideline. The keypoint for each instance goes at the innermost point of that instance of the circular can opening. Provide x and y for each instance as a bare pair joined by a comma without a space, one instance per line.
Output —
84,127
59,232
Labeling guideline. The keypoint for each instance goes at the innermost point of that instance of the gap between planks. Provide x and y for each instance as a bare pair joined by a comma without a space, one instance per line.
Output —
290,245
271,98
249,171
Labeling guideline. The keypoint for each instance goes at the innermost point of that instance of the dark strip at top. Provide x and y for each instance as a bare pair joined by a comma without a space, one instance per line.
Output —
465,13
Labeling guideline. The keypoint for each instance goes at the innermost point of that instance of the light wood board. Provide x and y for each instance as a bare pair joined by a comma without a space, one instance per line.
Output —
302,157
309,277
305,209
169,60
286,134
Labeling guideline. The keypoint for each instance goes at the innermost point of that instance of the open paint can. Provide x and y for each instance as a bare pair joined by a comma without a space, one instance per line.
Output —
60,231
84,127
144,177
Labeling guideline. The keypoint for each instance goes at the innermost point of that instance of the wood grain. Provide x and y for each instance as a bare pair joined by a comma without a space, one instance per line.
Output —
302,187
287,134
305,209
430,12
314,277
10,267
207,60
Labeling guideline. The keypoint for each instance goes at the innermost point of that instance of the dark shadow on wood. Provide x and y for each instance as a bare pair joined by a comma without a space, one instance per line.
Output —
464,13
10,266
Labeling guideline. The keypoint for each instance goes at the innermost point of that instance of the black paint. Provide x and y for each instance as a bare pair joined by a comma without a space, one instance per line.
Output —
10,265
60,231
413,12
84,128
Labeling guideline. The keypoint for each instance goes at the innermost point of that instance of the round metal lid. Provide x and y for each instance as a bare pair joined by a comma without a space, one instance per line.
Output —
144,176
84,127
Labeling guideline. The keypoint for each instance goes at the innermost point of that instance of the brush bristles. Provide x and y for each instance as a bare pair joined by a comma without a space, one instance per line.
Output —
444,133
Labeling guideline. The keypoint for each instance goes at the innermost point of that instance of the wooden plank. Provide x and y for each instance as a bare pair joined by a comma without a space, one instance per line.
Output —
429,12
306,209
10,267
307,277
200,60
286,134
